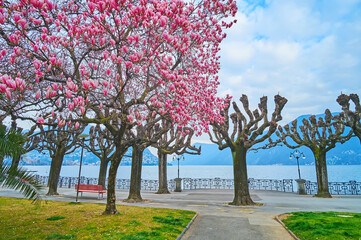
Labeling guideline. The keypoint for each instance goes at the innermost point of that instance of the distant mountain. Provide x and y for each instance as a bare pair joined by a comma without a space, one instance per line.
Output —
36,158
348,153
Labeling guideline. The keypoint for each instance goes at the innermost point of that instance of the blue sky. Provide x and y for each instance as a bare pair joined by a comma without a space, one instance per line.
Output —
307,50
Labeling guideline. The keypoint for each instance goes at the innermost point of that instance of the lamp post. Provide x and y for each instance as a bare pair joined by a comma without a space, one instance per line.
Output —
297,154
178,180
301,182
175,157
82,137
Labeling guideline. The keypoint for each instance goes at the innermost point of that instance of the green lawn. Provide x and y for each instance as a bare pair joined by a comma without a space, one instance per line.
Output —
324,225
20,219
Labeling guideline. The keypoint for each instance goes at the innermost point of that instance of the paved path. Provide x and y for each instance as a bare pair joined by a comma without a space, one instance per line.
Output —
217,220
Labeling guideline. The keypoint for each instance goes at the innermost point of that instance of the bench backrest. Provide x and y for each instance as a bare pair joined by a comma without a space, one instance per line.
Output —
89,187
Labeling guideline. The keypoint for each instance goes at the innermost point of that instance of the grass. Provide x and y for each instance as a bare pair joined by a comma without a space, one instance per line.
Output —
20,219
324,225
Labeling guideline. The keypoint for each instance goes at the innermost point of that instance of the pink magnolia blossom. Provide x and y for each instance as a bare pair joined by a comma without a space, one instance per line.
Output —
37,64
37,96
71,106
86,84
68,93
3,88
130,118
40,120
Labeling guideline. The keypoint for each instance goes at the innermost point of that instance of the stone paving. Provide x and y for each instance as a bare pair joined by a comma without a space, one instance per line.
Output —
218,220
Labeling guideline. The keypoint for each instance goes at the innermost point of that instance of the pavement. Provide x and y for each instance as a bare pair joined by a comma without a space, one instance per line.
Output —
217,220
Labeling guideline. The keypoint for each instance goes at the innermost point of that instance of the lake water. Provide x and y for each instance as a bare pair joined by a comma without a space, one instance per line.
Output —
338,173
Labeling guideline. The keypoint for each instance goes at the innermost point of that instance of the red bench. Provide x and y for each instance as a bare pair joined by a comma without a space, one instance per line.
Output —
90,188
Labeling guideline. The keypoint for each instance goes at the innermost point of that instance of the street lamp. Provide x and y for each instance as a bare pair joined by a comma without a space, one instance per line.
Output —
175,157
178,180
297,154
82,137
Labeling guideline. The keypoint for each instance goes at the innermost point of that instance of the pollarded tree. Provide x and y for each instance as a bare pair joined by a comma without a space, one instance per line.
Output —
101,145
111,62
149,133
246,133
59,140
351,118
320,137
174,140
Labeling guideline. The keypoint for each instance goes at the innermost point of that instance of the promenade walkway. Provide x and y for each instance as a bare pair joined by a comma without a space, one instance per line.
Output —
217,220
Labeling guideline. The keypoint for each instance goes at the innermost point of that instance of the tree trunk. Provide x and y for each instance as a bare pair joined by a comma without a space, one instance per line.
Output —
15,162
162,172
103,171
54,173
110,208
136,175
241,191
321,173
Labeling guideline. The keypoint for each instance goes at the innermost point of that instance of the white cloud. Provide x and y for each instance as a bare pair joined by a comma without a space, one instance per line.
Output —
308,51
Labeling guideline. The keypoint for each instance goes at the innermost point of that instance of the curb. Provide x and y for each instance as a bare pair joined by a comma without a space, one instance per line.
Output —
283,225
187,227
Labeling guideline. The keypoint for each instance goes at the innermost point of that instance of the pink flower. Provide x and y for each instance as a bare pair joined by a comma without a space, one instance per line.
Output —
91,7
40,120
37,64
86,84
68,93
82,110
2,19
3,52
105,54
8,93
76,125
71,106
16,17
94,83
23,23
37,96
52,60
2,88
130,118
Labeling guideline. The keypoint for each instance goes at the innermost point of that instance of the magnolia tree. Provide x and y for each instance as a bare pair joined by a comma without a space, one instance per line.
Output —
149,133
247,130
126,57
59,141
101,145
320,136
